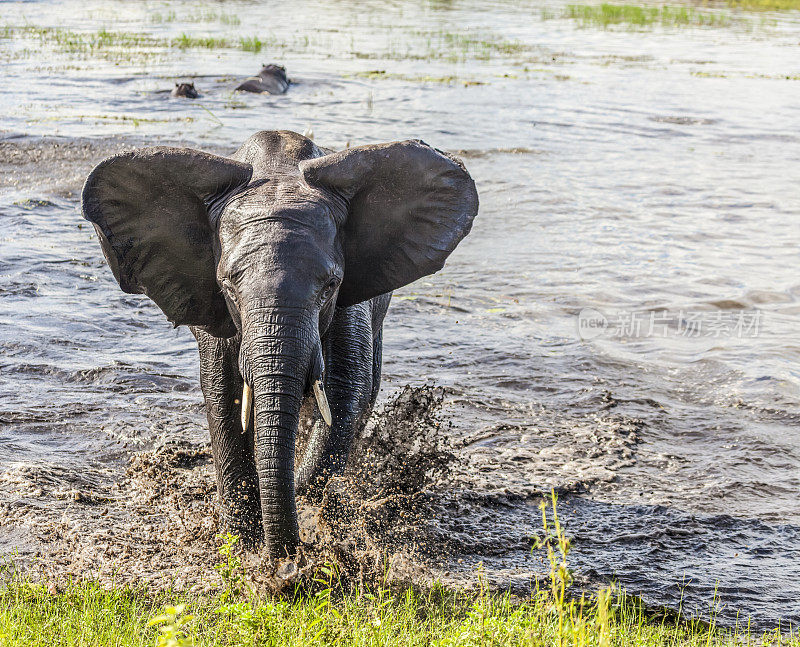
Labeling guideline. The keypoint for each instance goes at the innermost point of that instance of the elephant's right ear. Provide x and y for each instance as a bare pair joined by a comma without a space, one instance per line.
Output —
150,208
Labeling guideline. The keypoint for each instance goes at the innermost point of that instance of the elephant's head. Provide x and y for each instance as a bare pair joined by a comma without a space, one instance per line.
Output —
266,245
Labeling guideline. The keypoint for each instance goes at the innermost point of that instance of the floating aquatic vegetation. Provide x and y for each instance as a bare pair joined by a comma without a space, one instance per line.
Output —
184,41
446,79
107,44
765,5
198,16
134,120
605,15
72,41
726,75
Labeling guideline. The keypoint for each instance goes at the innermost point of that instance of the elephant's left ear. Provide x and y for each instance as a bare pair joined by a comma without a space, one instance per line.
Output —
152,210
409,206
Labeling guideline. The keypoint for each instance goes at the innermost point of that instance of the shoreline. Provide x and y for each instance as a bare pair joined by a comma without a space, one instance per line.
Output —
86,613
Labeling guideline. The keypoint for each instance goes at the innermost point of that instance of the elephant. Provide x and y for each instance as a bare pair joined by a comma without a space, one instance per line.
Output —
185,91
281,260
271,79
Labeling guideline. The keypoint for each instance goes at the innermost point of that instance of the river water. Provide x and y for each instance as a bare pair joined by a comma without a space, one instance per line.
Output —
621,324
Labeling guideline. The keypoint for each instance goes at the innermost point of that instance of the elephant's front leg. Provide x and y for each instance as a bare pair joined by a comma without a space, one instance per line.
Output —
232,448
349,363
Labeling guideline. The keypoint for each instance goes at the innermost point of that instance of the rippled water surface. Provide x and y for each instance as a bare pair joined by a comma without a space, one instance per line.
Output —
649,176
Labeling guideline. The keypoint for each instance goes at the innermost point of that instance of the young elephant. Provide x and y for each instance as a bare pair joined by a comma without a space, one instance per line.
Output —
271,79
282,261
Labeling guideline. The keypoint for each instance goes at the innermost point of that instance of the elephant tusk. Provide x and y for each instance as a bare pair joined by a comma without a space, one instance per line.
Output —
322,402
247,405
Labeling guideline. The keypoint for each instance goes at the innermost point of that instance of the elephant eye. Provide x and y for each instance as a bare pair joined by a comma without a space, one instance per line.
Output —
329,289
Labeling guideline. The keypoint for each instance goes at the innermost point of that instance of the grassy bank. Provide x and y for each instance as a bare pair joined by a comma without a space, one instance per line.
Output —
84,614
323,610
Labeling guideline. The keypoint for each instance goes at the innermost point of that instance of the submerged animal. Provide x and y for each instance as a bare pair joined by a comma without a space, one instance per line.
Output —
185,90
271,79
281,260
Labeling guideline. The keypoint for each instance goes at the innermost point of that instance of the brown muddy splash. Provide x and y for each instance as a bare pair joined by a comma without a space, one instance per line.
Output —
157,522
154,523
372,522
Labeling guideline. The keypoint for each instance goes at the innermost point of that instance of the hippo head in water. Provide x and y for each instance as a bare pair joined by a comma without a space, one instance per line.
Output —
185,91
271,79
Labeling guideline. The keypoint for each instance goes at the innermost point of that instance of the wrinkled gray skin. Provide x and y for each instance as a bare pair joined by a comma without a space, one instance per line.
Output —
281,260
271,79
185,91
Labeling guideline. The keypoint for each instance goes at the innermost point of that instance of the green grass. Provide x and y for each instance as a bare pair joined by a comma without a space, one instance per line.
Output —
105,42
184,41
326,611
251,44
765,5
72,41
198,16
85,614
455,47
256,44
159,17
605,15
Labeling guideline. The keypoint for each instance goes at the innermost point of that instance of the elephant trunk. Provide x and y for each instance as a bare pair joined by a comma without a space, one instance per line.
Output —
277,350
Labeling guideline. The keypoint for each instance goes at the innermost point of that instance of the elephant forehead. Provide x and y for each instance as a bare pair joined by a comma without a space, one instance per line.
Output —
258,226
281,190
293,210
285,196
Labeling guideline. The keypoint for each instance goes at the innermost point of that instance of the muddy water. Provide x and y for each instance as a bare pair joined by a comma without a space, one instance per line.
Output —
621,325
